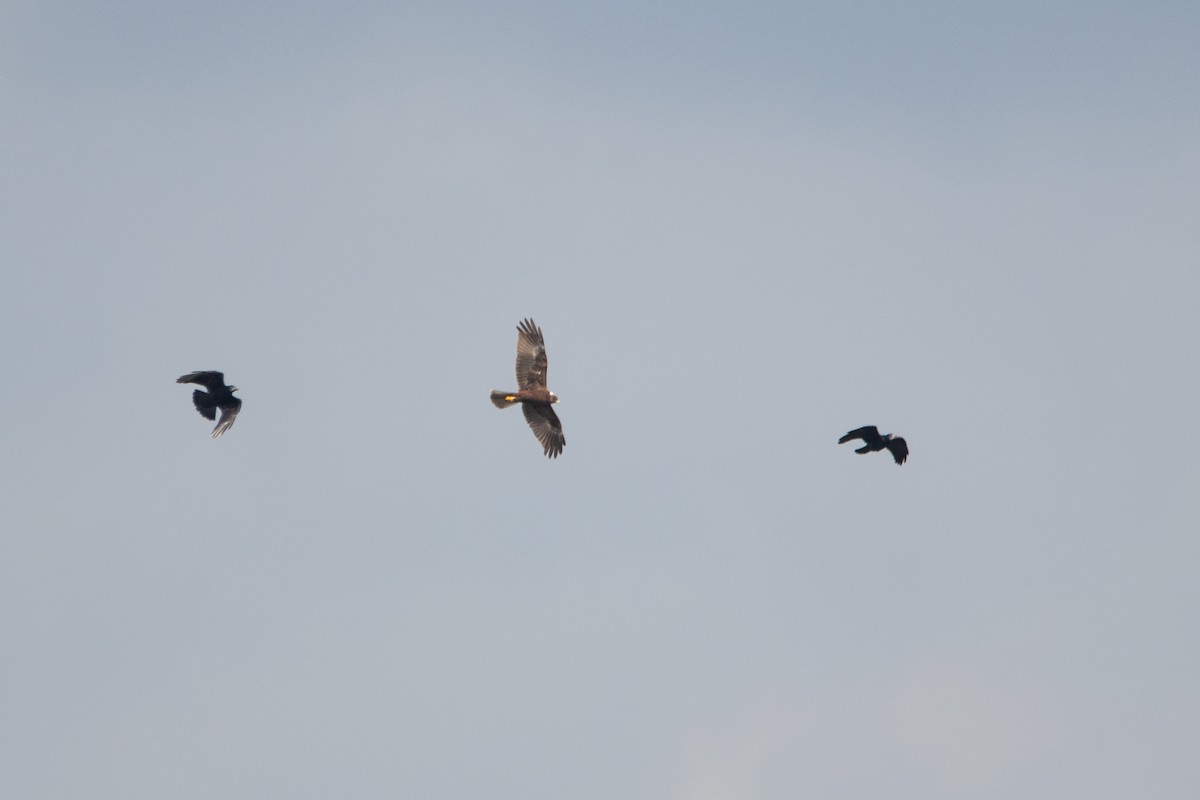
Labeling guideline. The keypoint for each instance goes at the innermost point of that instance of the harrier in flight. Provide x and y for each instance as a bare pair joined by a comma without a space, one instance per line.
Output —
873,442
536,400
218,396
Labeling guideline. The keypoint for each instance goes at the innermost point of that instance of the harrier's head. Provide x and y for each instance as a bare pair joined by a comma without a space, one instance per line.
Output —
553,398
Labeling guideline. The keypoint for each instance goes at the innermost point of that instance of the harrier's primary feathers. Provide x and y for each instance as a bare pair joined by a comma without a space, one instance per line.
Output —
218,396
536,400
873,442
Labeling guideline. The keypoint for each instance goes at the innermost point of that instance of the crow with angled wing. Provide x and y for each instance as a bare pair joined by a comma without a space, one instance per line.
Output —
873,442
218,396
536,400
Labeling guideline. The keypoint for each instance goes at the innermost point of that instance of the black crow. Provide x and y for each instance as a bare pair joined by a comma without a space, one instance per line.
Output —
873,442
218,396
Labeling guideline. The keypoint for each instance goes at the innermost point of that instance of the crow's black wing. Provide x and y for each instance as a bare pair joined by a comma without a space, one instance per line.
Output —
868,433
899,449
229,412
213,381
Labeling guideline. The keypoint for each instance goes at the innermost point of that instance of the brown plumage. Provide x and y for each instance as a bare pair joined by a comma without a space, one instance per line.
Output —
536,400
873,442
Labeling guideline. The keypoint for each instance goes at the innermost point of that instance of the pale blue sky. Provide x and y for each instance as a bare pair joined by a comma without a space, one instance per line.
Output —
973,225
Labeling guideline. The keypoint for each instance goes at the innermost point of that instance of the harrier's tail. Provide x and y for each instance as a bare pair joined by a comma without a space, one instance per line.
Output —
503,400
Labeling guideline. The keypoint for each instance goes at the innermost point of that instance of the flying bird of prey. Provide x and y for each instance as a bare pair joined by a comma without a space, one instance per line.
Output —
536,400
873,442
218,396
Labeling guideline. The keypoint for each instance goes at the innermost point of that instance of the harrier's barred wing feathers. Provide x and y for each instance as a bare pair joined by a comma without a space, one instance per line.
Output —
531,356
546,427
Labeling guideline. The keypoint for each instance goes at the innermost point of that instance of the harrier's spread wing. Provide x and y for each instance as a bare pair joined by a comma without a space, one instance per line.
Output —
531,356
213,381
229,412
899,449
546,427
868,434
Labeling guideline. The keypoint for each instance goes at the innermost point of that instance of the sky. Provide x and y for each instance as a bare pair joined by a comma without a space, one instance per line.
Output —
745,229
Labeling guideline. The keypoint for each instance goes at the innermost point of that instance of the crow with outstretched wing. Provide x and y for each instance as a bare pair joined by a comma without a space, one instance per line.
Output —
873,442
218,397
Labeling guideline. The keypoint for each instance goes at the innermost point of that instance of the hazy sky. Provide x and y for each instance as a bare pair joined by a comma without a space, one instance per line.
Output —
745,228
